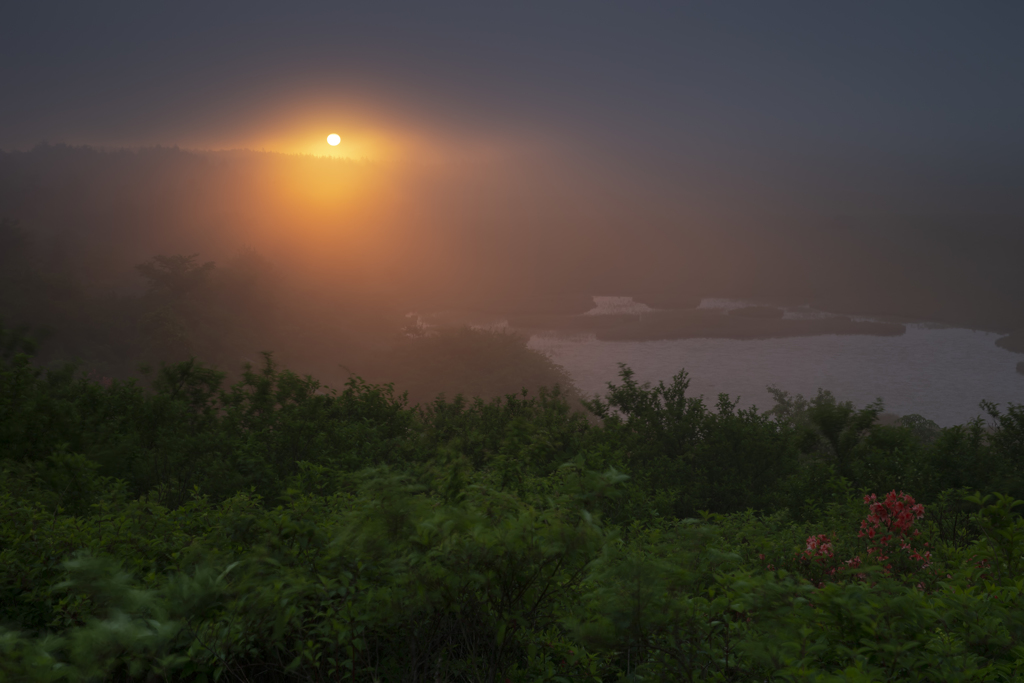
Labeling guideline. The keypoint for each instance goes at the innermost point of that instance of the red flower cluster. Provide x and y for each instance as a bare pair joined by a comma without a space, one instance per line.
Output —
819,550
888,528
819,546
892,542
896,513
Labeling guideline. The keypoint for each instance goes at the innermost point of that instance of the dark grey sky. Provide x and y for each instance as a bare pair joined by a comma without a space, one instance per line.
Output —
640,83
731,148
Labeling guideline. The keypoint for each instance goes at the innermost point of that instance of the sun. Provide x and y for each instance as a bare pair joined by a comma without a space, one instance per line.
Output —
333,139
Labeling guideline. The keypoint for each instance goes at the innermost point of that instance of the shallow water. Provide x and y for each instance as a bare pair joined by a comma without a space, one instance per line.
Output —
941,373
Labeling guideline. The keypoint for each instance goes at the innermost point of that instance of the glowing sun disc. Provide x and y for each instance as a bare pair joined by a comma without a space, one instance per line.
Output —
333,139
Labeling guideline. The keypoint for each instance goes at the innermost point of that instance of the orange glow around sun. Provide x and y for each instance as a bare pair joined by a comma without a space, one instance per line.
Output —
357,143
343,130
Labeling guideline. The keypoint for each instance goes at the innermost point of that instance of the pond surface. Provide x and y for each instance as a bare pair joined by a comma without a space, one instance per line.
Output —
941,373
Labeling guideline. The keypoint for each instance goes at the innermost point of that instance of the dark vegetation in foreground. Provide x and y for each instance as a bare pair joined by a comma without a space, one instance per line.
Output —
272,529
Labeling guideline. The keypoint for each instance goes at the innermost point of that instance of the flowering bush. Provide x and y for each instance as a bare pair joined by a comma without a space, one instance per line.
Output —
819,546
818,561
892,541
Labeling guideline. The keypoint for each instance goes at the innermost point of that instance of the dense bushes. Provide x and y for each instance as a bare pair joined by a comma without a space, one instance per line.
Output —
386,581
274,529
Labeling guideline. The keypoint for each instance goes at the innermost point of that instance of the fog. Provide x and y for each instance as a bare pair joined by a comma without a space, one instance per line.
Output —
453,315
519,234
497,164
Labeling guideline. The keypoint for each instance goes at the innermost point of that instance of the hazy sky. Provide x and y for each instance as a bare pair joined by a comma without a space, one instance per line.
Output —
658,86
728,147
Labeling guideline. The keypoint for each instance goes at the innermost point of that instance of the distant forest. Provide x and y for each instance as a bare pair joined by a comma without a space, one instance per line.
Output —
229,315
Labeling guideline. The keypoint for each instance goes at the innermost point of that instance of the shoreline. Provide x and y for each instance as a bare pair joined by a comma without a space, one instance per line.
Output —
698,324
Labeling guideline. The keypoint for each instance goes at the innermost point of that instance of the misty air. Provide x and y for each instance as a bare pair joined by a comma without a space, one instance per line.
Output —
564,342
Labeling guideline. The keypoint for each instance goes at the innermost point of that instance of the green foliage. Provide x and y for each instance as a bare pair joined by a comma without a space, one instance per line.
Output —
272,528
689,457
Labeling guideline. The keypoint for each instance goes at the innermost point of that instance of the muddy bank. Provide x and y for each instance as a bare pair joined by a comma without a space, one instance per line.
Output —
1012,342
700,323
